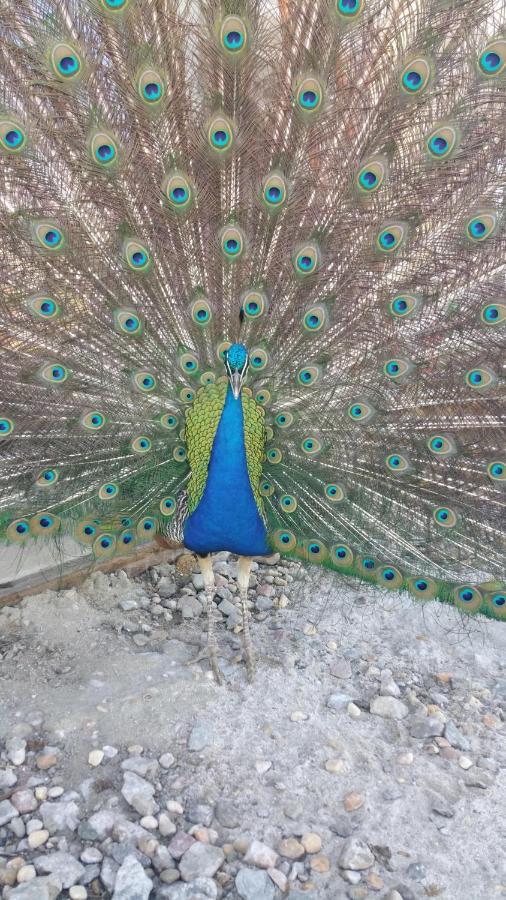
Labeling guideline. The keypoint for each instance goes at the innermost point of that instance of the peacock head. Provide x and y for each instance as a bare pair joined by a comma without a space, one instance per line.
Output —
236,364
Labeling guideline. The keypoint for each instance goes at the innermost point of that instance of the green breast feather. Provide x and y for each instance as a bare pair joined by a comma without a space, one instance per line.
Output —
202,420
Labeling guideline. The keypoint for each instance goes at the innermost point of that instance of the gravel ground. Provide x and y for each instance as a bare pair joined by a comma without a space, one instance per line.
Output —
366,760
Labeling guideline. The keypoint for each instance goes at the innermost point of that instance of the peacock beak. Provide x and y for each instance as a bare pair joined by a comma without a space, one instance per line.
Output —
236,383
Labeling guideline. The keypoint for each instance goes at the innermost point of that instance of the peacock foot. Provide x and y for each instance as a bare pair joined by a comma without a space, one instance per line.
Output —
209,653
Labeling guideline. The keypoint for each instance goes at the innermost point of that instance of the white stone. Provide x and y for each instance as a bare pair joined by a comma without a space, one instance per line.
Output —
37,838
26,873
389,708
78,892
95,757
260,855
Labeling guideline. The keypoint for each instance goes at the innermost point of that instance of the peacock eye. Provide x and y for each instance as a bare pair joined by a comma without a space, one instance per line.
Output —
93,421
114,5
141,444
391,237
49,236
341,555
306,259
169,421
442,445
398,464
186,395
492,59
309,95
201,312
274,455
233,36
444,517
254,304
150,87
54,373
390,577
496,471
108,491
404,305
284,540
266,488
44,307
136,256
308,375
188,363
335,492
361,412
263,397
47,478
232,242
220,134
349,9
442,141
103,149
467,597
12,136
144,381
493,314
415,76
481,378
65,61
168,506
397,369
18,530
258,358
179,453
288,503
482,226
44,524
274,191
310,446
371,176
127,321
284,419
425,588
6,427
178,191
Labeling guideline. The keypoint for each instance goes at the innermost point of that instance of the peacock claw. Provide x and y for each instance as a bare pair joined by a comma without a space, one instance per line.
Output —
209,655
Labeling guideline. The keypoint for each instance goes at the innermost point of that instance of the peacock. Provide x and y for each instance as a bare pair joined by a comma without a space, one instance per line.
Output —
253,289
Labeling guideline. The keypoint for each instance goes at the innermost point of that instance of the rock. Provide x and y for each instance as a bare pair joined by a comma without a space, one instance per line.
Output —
62,864
138,793
8,779
353,800
200,814
338,701
254,884
131,881
320,864
441,807
60,816
337,766
174,807
98,826
78,892
17,826
353,710
37,838
388,686
200,889
425,727
375,882
46,888
200,737
16,750
201,860
7,812
478,778
180,843
264,604
279,879
455,737
149,822
91,855
416,871
311,842
167,760
108,873
227,814
389,708
262,766
341,668
342,825
260,855
141,766
290,848
465,763
166,826
355,854
46,760
24,801
26,873
95,757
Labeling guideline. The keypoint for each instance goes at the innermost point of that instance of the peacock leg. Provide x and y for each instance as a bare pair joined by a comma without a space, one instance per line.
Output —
206,567
243,574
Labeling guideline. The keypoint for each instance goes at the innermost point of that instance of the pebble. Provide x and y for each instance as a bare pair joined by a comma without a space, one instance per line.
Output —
62,864
16,750
180,843
200,737
311,842
95,757
167,760
338,701
262,766
47,887
138,793
7,812
355,854
46,761
279,879
91,855
375,882
25,873
341,668
174,807
201,860
131,882
337,766
298,716
78,892
260,855
37,838
353,710
425,727
455,737
254,884
465,763
24,801
166,826
389,708
226,814
149,822
353,800
320,864
291,848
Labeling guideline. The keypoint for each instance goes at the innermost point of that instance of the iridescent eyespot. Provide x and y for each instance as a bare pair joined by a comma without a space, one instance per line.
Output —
496,471
492,59
188,363
366,566
371,176
423,587
258,359
308,375
284,419
146,527
85,531
127,321
18,530
93,421
179,453
266,488
467,597
65,61
232,242
108,491
391,237
103,149
43,306
398,464
481,378
220,134
404,305
288,503
168,506
442,445
141,444
222,349
390,577
415,76
335,492
201,312
186,395
47,478
493,314
341,555
263,397
253,304
208,378
349,9
136,256
114,5
126,540
306,259
104,546
315,319
54,373
169,421
442,141
144,381
274,455
44,524
233,36
150,87
12,136
496,603
178,191
444,517
49,236
315,550
6,427
309,95
310,446
285,541
481,226
397,369
274,191
362,412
